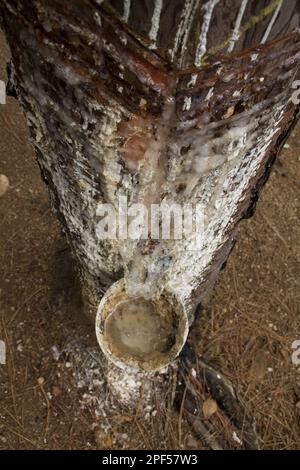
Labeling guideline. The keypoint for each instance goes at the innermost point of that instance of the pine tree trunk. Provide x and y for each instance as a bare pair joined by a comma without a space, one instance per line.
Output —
160,100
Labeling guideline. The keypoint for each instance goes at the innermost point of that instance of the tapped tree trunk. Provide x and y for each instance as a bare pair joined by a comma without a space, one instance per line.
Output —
150,102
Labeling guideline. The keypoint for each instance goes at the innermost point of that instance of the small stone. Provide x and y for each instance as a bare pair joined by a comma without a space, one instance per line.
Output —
209,408
41,381
55,353
4,184
237,439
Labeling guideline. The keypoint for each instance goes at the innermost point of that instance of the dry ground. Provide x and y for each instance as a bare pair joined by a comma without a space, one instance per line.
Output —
52,395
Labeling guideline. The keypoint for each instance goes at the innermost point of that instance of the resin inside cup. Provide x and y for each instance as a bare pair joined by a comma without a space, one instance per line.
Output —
140,333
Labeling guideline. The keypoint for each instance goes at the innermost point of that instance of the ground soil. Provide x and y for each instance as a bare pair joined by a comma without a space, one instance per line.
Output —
52,393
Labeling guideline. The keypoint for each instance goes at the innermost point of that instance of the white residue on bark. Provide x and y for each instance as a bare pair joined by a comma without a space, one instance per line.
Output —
202,43
155,22
126,10
235,33
272,22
